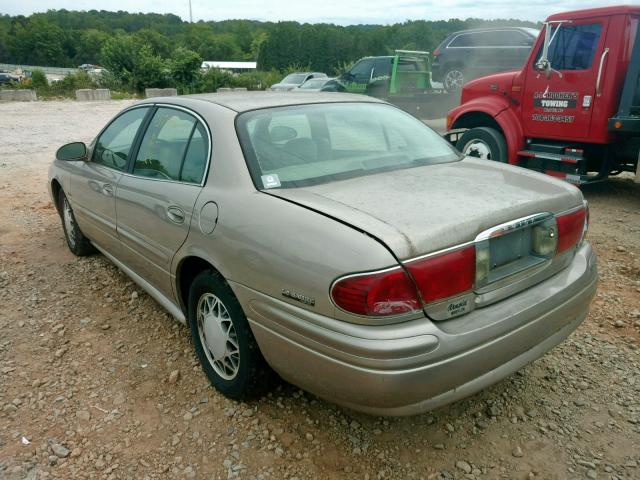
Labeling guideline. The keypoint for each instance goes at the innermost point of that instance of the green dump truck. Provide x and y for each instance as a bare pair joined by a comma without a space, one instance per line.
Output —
403,79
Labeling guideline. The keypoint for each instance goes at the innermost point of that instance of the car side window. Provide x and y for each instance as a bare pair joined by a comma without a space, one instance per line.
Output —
164,144
573,46
195,160
114,143
382,67
362,70
462,40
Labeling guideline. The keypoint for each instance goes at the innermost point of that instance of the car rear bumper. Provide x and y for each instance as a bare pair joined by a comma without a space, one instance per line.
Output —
416,366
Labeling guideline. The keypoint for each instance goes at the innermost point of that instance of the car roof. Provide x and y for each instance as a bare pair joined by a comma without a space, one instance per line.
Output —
246,100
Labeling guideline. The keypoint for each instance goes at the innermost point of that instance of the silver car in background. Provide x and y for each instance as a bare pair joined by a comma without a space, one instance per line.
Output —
333,238
312,85
294,80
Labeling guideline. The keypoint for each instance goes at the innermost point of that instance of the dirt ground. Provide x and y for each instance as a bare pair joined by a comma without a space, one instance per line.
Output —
86,362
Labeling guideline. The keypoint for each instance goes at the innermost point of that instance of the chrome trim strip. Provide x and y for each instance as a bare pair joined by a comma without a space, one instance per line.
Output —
492,31
512,226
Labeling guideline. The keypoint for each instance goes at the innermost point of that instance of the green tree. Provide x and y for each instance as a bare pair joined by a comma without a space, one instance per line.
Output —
184,66
38,42
149,71
119,55
89,46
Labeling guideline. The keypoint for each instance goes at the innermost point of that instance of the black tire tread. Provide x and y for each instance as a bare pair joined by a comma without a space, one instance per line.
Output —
255,377
83,246
492,137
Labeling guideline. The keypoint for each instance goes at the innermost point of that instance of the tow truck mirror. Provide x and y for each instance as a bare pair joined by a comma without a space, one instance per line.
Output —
544,66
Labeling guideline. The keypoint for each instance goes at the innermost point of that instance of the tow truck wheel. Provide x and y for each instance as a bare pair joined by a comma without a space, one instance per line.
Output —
483,142
453,80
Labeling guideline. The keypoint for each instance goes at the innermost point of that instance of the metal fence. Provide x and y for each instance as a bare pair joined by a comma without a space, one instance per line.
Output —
47,70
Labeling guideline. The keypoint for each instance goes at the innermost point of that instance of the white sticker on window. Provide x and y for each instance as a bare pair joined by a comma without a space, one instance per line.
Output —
270,181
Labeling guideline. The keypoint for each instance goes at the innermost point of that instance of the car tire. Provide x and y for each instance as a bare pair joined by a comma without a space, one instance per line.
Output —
484,142
76,241
223,340
453,79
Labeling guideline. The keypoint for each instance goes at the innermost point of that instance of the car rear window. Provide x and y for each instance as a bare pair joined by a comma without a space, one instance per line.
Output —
296,146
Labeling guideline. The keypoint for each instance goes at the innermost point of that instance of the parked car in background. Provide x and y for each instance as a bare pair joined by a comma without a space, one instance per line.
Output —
294,80
334,236
469,54
6,77
313,85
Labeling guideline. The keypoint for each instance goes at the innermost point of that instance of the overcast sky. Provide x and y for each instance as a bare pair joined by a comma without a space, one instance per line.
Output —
343,12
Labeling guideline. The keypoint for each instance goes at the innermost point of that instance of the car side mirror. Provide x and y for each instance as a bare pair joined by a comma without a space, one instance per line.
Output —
72,152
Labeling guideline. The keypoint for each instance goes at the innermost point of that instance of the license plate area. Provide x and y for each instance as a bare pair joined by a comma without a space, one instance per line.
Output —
511,253
514,250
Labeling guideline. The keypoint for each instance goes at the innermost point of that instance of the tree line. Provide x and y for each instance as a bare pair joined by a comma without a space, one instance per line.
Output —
145,49
142,50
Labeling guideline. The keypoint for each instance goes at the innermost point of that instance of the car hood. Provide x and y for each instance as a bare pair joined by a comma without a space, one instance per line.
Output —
425,209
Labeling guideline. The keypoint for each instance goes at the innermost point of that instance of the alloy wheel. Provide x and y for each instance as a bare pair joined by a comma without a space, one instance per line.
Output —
454,80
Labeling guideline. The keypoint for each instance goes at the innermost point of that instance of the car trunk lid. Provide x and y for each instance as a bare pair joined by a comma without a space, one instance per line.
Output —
421,210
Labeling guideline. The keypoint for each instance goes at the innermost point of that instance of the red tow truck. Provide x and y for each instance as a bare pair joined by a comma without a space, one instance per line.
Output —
572,111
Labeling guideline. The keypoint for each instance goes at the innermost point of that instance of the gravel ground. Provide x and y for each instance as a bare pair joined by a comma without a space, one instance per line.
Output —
96,381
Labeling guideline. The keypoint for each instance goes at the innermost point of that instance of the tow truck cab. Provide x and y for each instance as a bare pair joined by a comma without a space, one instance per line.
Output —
572,111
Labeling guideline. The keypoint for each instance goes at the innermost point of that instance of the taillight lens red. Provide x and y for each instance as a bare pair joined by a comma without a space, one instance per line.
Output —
444,275
571,228
436,52
390,292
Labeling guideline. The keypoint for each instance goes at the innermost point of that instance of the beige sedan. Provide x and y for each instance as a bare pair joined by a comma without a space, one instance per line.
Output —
333,239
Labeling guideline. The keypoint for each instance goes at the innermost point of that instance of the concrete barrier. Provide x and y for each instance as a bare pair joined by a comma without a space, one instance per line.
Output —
160,92
90,94
240,89
224,89
18,96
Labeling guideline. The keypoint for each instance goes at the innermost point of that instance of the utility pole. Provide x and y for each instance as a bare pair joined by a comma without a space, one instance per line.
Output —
190,13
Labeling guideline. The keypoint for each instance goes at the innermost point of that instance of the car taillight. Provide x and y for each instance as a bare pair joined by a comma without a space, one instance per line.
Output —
436,52
444,275
388,292
572,228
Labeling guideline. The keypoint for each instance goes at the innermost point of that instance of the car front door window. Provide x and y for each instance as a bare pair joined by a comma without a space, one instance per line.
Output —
362,71
114,143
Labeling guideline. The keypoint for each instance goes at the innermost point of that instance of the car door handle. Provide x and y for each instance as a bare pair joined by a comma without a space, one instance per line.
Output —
107,189
175,214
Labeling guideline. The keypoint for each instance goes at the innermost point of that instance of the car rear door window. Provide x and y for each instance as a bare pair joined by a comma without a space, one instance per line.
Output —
195,160
114,143
164,144
573,46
